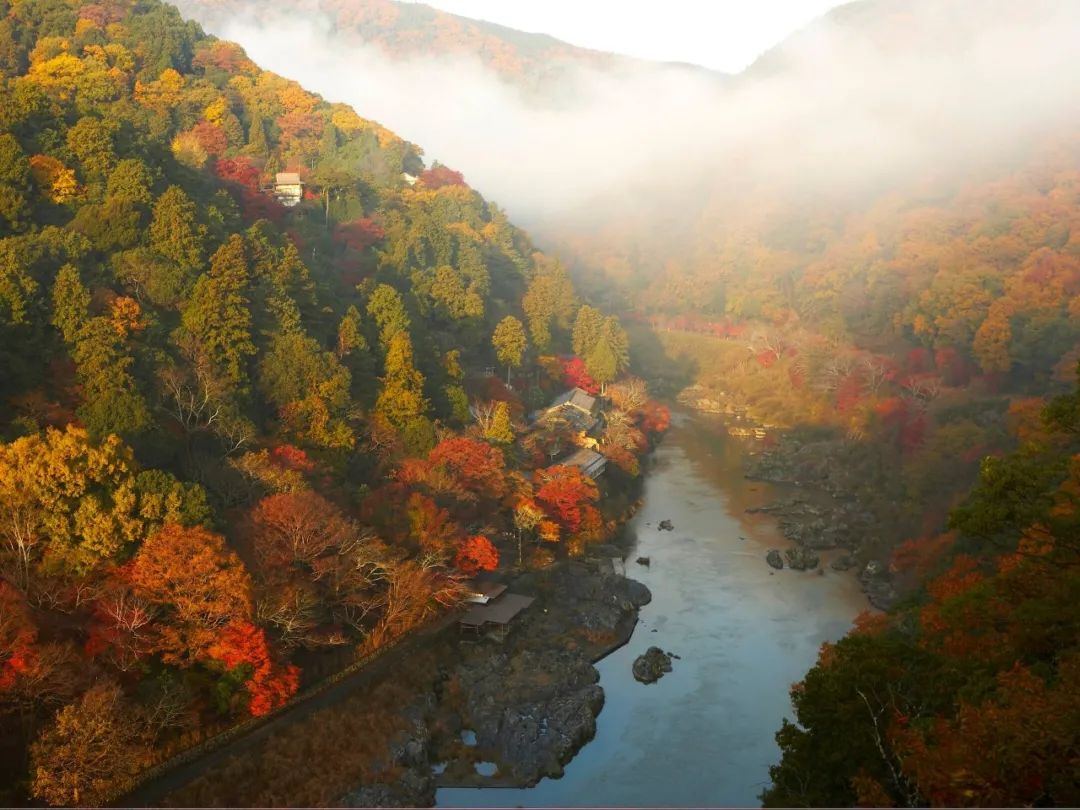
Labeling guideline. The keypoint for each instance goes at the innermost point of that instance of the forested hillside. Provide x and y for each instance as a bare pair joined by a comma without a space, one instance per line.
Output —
243,442
967,696
237,440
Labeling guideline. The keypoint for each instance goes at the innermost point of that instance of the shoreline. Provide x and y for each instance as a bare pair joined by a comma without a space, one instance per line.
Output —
529,701
521,707
526,704
824,521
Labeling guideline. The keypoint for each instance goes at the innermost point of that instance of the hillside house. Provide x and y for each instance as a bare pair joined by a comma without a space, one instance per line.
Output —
288,189
576,406
576,399
588,461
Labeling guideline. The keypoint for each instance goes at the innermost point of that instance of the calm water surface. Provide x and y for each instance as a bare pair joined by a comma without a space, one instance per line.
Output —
703,734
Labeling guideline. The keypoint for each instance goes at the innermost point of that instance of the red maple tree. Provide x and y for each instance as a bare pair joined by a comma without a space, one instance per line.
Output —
564,492
242,643
440,176
476,554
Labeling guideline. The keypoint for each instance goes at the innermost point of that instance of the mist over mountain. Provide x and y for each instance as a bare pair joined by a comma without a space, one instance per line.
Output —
875,93
534,62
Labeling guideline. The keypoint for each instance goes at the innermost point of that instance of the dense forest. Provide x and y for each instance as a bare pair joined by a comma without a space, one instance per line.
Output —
967,694
243,441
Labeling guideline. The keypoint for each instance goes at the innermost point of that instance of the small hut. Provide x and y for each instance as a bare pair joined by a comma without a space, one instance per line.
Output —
288,189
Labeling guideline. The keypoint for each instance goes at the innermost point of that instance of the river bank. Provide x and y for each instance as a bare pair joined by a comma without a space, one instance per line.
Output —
837,510
520,706
557,695
825,515
503,709
703,735
512,711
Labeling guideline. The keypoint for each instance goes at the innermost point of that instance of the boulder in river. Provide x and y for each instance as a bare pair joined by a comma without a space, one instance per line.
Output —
842,563
651,666
801,558
665,526
643,561
774,559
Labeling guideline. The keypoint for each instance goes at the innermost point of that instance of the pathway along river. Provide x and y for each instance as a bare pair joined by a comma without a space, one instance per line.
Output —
703,734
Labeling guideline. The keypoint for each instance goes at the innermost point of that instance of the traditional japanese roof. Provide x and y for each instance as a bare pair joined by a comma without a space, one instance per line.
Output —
288,179
588,461
576,398
483,591
500,611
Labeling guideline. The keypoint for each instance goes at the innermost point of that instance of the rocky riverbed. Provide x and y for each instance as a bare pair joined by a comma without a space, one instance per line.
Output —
828,516
509,711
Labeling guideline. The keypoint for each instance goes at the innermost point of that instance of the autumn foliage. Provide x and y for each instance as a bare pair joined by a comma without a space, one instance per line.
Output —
192,576
226,448
441,176
476,554
17,636
968,693
242,644
567,494
574,375
477,468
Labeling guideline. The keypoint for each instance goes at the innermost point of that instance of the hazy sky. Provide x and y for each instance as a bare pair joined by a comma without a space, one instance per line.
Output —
725,35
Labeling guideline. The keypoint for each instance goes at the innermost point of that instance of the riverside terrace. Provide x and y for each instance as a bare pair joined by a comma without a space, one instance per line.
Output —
497,613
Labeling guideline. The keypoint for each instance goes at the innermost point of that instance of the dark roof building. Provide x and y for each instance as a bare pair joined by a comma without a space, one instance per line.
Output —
498,612
482,591
588,461
576,406
576,398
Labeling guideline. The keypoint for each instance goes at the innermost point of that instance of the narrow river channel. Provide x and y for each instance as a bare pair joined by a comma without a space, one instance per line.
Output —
702,735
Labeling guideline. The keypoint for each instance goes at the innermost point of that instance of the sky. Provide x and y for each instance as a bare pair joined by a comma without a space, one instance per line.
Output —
725,35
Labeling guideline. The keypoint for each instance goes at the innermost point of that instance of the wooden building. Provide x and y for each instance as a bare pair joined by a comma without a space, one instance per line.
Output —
497,614
588,461
288,189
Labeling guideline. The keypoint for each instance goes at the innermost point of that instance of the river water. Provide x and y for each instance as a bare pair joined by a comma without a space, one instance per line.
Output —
703,734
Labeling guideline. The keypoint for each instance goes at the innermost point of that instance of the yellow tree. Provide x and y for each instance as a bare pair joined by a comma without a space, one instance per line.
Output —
56,181
509,342
401,401
93,746
78,503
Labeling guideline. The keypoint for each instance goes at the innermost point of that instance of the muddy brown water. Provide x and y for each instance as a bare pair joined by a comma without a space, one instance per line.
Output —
704,734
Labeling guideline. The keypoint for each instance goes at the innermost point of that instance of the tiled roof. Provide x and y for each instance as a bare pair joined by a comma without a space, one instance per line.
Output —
588,461
576,397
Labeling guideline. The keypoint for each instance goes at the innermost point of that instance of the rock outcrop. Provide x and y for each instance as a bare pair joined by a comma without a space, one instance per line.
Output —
651,666
801,558
533,700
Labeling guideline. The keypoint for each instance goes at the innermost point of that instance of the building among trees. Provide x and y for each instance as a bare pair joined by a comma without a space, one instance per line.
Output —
288,188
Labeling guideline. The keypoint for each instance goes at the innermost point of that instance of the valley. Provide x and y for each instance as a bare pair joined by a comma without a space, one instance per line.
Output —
747,474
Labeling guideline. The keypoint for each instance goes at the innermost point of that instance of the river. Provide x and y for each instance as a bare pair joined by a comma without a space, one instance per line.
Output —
703,734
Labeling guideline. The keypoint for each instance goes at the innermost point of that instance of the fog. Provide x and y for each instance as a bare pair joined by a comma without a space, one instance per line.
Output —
930,84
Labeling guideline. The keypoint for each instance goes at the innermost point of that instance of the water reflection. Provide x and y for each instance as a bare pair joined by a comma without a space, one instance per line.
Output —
703,734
